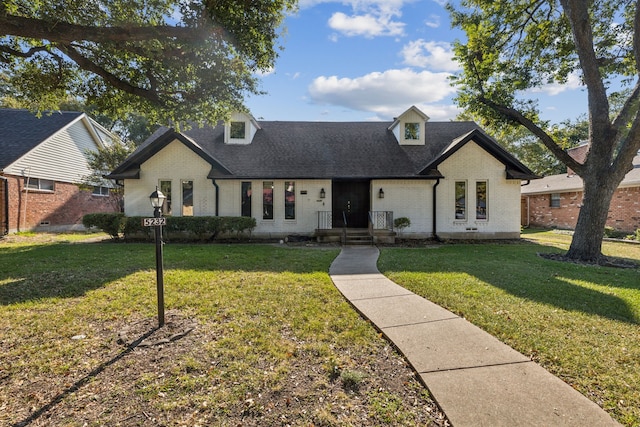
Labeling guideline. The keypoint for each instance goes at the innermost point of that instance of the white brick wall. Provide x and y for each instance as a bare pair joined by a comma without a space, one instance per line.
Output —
471,163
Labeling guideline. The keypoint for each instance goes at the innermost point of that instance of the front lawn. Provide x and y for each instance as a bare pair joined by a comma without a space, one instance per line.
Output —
255,335
580,322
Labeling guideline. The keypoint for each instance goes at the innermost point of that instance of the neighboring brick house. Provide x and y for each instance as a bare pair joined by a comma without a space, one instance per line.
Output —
554,201
316,178
42,161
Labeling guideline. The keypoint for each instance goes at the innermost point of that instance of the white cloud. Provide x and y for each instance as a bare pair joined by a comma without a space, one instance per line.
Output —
552,89
433,21
386,94
429,54
367,25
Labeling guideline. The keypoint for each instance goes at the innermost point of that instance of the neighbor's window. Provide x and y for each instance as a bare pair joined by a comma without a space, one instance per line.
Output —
100,190
245,209
237,130
290,200
267,200
165,187
461,200
187,198
38,184
412,131
481,200
555,200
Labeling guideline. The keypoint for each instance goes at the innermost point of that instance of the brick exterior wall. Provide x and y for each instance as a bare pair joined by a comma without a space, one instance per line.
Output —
59,210
624,211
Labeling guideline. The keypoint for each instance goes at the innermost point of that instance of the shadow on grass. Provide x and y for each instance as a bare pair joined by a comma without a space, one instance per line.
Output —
60,270
82,382
520,271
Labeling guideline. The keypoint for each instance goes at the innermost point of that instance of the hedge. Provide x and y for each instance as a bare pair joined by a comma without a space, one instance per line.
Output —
180,228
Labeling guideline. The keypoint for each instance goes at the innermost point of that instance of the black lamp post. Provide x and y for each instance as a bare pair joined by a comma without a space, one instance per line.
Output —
157,200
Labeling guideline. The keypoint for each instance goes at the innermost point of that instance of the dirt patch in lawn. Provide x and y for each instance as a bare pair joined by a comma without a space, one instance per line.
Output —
135,375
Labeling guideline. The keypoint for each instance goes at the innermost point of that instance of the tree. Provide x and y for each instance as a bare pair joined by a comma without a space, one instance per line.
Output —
101,162
171,61
514,46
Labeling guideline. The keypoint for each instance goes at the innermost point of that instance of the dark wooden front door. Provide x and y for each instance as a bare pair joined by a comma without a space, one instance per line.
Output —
350,198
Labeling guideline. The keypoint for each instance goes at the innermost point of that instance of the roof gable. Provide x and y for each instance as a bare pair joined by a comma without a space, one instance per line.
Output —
515,169
130,168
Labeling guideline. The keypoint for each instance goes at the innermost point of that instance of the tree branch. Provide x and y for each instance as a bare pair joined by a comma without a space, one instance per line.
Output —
122,85
64,32
548,142
578,14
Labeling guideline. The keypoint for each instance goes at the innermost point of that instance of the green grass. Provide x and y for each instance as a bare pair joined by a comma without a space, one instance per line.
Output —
580,322
268,318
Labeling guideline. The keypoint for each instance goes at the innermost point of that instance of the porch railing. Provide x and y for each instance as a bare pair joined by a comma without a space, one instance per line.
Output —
381,220
378,220
325,220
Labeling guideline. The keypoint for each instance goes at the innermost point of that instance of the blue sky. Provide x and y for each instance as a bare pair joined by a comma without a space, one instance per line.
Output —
362,60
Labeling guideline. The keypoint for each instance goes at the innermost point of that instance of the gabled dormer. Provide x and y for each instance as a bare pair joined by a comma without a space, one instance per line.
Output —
409,127
240,129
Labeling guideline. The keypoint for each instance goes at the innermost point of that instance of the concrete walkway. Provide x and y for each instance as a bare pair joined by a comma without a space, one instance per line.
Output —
475,379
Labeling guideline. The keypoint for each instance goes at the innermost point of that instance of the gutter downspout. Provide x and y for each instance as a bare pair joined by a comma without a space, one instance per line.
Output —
435,235
5,229
528,205
215,184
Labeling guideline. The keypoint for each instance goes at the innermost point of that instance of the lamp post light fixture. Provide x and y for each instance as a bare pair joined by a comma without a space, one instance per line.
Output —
157,200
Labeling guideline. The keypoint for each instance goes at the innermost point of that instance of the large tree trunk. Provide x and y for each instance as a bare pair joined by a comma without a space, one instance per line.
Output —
586,244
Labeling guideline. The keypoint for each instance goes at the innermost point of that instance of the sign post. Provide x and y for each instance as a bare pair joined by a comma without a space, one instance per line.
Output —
157,199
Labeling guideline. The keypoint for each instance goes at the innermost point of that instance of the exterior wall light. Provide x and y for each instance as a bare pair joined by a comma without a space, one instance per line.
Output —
381,194
322,193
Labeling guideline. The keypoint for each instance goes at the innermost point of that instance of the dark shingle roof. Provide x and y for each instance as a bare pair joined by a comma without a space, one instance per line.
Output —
21,131
310,150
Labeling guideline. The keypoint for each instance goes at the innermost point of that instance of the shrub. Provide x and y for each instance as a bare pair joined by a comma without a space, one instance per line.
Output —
191,227
111,223
401,223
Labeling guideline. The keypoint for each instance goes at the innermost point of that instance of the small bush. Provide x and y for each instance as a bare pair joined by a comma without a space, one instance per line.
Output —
110,222
401,223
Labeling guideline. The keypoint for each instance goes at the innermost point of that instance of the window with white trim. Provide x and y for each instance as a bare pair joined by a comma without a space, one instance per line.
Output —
39,184
290,200
100,190
461,200
481,199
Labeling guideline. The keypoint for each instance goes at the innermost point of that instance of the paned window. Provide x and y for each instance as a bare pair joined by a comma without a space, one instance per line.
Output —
481,199
245,210
412,131
290,200
237,130
555,200
187,198
165,188
461,199
39,184
100,190
267,200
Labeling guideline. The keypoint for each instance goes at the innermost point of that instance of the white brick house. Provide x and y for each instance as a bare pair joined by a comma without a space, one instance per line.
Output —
312,178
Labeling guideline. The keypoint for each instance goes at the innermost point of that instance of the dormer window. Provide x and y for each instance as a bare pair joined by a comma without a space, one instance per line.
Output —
238,130
410,127
241,129
412,131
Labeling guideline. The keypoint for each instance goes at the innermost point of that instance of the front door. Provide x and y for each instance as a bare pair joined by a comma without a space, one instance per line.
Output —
351,200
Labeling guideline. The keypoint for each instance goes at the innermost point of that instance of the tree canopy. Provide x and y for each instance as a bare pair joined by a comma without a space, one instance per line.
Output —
171,61
516,46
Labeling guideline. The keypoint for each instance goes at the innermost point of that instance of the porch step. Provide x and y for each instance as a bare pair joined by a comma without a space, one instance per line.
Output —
357,237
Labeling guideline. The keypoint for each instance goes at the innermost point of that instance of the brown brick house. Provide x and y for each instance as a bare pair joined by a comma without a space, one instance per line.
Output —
42,160
554,201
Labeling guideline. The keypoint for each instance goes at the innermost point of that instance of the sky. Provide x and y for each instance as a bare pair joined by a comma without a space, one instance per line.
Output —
370,60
